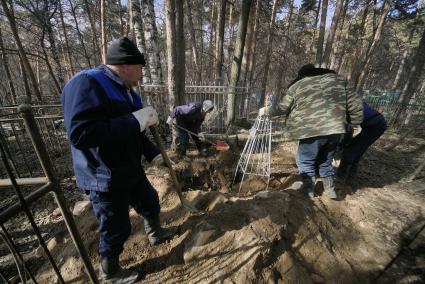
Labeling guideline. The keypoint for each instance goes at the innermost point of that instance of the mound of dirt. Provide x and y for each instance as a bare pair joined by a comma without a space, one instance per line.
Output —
273,236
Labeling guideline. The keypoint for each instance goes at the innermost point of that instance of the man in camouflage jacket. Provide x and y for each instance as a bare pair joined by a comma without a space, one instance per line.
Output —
318,105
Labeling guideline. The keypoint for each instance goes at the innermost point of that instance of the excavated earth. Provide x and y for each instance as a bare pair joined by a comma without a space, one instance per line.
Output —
374,232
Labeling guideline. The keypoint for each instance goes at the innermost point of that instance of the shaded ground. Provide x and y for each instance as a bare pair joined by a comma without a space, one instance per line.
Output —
374,233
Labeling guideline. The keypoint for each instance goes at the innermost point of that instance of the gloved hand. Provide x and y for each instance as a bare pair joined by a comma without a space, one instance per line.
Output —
264,111
356,130
158,161
201,136
146,117
170,121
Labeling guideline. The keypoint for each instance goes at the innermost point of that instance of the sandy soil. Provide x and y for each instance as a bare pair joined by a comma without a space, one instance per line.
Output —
373,233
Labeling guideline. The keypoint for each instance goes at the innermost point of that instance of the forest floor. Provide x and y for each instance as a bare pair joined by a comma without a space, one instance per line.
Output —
374,232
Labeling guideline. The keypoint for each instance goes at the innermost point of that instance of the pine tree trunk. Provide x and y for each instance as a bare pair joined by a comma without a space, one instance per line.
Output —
336,55
65,35
80,36
230,38
253,47
269,45
359,80
247,52
94,32
211,39
415,73
283,64
237,59
5,64
180,50
170,22
25,81
192,38
11,18
316,22
139,37
151,41
50,68
102,30
219,39
319,50
120,17
332,31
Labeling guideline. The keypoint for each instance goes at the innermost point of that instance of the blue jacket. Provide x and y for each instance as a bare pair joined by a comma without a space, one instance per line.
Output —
372,117
189,116
106,142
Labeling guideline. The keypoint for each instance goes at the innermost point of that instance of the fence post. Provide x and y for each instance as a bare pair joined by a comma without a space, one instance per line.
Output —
34,133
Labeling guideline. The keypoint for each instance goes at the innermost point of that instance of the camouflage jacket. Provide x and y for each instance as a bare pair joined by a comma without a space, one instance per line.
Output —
320,105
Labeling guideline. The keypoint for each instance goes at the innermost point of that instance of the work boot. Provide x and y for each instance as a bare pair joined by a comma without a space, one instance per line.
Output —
156,234
307,186
329,187
113,273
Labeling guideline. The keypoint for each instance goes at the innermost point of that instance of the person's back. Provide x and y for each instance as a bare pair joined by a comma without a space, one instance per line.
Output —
319,106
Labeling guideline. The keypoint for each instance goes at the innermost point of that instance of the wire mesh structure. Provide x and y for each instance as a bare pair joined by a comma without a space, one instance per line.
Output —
255,158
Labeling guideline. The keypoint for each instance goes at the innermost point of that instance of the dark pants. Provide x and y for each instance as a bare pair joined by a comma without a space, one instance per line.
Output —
371,131
183,142
112,212
315,154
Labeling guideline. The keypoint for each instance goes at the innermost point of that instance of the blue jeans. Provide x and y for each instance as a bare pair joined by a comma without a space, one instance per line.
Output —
112,212
315,154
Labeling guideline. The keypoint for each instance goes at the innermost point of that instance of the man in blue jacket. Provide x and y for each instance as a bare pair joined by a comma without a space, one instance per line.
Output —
105,122
190,117
372,127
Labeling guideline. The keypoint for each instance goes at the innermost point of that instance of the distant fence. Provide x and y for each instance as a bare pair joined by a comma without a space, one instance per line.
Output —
398,115
49,119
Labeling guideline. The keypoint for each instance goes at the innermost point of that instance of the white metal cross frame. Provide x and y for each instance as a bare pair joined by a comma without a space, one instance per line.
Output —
255,158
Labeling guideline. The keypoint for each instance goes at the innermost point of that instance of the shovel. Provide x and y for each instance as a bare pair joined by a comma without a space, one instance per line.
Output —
220,145
186,204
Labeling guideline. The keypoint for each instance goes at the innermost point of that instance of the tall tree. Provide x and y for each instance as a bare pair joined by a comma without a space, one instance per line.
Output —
139,36
71,70
219,39
319,49
329,42
237,59
5,64
269,45
415,73
102,30
359,79
97,51
170,23
11,18
80,35
151,41
253,47
180,50
192,39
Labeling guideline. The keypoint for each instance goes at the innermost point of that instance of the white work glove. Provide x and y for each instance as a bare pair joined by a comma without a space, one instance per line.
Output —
201,136
146,117
158,161
170,121
356,130
264,111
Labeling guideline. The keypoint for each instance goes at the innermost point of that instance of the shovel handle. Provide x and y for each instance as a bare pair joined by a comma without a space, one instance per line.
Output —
167,161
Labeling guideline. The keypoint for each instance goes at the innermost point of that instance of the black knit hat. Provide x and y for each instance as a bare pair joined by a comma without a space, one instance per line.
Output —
124,51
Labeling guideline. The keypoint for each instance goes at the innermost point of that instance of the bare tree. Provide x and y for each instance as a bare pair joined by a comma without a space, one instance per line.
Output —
237,59
11,18
192,39
151,41
253,47
332,31
80,35
139,36
269,45
5,64
180,50
71,70
321,39
170,22
364,65
92,22
219,39
102,30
